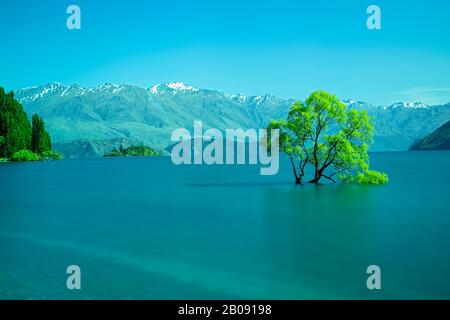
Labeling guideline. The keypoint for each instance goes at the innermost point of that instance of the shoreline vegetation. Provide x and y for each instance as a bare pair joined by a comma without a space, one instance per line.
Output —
132,151
21,140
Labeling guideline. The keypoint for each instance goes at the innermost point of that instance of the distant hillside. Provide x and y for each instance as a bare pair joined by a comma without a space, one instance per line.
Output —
77,116
132,151
90,148
89,121
437,140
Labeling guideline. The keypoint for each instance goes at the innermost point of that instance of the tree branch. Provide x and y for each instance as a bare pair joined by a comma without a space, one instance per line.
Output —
329,178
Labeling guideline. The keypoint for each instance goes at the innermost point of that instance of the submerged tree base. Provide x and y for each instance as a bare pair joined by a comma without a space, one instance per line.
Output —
367,177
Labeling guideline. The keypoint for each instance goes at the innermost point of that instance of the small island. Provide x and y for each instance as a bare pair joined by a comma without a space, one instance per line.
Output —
132,151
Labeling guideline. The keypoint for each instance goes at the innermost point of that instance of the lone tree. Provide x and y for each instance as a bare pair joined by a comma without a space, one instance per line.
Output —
333,140
40,139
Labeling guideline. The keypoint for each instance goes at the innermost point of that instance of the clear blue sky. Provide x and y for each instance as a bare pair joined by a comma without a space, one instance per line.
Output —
284,47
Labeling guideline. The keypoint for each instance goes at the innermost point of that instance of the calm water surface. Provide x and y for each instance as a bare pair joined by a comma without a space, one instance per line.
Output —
144,228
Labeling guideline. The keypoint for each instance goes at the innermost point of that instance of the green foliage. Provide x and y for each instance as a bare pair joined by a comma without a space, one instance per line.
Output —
114,153
367,177
24,155
2,142
294,135
14,125
17,136
321,132
40,139
51,155
132,151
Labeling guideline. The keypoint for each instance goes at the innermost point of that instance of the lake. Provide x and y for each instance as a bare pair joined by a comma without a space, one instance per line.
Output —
143,228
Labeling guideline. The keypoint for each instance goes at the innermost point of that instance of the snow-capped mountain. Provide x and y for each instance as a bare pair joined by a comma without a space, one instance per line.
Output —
30,94
27,95
78,116
357,104
110,112
364,105
410,105
172,88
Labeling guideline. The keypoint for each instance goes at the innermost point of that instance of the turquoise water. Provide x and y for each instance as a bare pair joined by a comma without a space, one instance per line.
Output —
146,229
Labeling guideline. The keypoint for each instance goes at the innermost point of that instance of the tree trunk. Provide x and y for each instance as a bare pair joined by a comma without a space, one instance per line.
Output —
316,179
298,178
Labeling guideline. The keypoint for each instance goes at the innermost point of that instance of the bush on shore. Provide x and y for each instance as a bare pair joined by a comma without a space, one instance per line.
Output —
51,155
24,155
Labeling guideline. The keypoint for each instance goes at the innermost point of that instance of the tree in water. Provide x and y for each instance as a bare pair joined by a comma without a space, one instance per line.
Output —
323,133
40,139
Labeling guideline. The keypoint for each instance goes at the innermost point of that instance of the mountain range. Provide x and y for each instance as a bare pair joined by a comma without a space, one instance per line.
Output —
87,122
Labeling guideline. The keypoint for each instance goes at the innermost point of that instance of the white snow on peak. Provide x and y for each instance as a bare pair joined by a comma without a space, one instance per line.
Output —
350,102
73,89
262,99
410,105
239,97
55,88
154,90
33,93
254,100
53,85
181,86
172,87
107,86
259,99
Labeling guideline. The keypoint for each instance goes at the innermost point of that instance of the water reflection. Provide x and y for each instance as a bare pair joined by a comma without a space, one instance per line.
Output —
320,236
